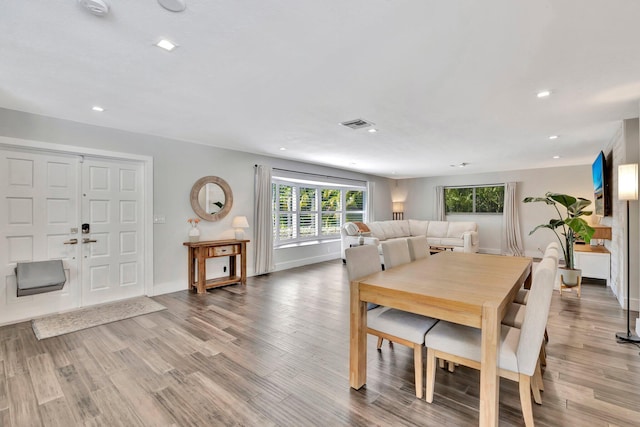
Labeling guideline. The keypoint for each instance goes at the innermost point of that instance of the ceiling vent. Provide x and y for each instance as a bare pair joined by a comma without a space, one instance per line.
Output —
357,124
97,7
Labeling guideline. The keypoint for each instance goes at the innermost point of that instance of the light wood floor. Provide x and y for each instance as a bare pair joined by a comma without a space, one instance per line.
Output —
276,353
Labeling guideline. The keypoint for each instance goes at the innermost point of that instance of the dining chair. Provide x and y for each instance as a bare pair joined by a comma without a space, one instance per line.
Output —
552,250
395,325
519,348
418,247
395,252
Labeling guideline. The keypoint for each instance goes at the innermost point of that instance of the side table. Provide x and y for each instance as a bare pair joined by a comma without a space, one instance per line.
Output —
200,251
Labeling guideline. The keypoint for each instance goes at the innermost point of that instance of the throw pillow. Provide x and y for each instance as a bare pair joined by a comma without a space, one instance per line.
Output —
362,227
351,228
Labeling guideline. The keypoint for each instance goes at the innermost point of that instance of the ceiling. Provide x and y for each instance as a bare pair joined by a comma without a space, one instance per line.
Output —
445,82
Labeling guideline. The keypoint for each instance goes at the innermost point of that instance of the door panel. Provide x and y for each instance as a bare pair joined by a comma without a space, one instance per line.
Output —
39,196
112,205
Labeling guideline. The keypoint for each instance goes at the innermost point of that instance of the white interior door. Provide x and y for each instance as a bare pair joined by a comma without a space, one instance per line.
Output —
112,252
38,214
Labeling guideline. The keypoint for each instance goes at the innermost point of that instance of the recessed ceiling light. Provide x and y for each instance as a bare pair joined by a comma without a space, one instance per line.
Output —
97,108
544,93
283,148
556,157
166,45
553,137
373,130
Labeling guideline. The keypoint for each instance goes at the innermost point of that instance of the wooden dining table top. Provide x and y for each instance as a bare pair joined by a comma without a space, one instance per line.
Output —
447,281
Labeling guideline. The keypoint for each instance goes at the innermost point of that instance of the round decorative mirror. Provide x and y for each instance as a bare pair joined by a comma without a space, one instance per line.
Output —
211,198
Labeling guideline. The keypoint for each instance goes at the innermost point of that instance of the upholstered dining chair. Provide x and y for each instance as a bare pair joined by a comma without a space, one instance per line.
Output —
395,252
552,250
519,348
418,247
395,325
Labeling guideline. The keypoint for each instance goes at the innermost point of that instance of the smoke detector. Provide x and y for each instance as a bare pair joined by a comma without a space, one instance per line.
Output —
173,5
96,7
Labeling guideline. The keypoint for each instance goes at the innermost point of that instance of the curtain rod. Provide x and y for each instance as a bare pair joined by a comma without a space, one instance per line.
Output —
315,174
502,184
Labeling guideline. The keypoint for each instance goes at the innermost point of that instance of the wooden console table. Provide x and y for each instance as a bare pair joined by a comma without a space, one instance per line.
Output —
200,251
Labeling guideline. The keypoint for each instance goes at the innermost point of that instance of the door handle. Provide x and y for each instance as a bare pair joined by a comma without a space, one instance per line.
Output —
88,240
71,242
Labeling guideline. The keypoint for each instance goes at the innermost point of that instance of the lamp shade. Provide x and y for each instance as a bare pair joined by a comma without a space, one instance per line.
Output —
398,207
628,182
240,222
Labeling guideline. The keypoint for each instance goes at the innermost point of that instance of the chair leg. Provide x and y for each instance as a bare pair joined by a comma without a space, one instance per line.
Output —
525,399
441,363
380,343
451,366
431,373
536,385
418,367
543,355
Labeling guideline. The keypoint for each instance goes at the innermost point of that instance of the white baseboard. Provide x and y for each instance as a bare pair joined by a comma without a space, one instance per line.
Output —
638,326
306,261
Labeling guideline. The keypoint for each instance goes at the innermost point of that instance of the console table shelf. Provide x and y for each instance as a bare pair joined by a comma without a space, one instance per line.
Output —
200,251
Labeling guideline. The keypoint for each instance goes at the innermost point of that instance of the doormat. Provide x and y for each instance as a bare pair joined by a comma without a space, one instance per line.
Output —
65,323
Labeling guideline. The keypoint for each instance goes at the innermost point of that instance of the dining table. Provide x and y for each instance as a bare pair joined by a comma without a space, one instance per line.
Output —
466,288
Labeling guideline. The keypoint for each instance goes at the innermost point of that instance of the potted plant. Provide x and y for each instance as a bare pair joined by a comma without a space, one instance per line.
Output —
571,226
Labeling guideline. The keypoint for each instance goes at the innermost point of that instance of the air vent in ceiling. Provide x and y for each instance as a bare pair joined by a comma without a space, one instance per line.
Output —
357,124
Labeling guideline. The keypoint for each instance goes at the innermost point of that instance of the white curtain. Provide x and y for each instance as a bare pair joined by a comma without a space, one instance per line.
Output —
440,212
511,223
370,209
263,220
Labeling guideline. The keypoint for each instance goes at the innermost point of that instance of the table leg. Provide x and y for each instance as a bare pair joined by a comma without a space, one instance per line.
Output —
358,339
191,267
202,271
489,378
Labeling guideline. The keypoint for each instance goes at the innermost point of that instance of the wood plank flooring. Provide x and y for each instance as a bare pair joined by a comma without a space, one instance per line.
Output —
276,354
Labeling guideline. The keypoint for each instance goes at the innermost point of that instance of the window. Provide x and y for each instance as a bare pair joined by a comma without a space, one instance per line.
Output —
481,199
309,210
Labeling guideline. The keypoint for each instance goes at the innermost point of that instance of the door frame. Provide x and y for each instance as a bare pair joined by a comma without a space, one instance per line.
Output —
147,188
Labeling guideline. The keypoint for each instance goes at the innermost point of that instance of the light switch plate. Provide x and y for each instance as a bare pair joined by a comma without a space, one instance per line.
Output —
158,219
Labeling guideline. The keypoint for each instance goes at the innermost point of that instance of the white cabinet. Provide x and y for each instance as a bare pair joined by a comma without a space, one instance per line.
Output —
594,261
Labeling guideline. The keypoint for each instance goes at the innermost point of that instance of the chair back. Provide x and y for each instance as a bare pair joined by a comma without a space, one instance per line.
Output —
362,261
395,252
418,247
553,251
535,317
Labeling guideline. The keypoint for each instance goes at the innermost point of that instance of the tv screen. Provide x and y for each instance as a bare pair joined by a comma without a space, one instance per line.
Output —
600,189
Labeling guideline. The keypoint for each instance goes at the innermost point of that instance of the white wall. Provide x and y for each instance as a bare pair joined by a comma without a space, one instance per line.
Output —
177,165
573,180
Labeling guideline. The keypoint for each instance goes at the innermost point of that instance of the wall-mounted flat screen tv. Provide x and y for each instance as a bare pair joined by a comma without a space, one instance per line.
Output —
601,191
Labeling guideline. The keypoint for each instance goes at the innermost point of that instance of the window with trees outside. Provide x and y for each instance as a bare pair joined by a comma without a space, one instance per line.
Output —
474,200
304,211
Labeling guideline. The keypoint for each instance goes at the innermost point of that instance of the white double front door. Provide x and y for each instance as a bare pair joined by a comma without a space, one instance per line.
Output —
47,200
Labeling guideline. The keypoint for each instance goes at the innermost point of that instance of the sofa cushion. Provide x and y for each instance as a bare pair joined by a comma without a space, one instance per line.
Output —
351,228
417,227
452,241
389,230
457,229
376,230
437,228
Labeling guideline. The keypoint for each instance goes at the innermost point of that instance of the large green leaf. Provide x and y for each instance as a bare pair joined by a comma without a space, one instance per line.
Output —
538,199
563,199
581,228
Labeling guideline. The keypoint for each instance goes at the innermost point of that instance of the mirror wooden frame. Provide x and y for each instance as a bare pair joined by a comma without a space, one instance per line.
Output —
228,198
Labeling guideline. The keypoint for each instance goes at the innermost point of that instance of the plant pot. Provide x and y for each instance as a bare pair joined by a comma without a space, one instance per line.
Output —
194,234
570,276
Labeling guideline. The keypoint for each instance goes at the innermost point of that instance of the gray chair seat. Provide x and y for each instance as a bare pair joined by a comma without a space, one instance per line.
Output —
408,326
514,316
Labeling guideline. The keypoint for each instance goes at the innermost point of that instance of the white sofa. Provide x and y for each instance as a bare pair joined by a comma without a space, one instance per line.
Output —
463,236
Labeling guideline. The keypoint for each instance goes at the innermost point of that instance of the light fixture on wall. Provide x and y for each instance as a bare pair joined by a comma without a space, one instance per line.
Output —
239,223
398,210
628,190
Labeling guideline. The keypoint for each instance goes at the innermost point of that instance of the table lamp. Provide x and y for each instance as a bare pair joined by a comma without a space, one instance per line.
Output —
239,223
